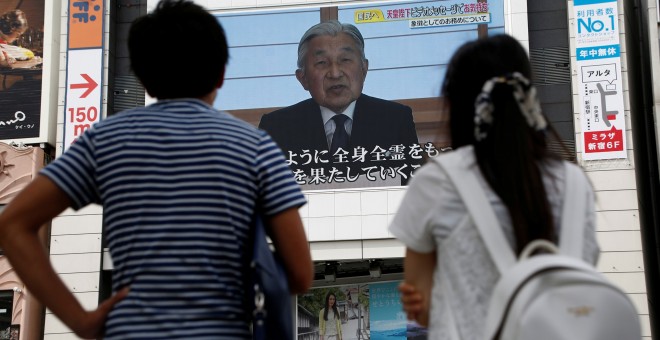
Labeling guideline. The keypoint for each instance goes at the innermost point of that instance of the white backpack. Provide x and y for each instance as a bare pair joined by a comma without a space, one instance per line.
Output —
552,296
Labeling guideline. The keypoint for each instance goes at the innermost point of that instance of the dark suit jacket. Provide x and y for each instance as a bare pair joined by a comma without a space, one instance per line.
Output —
376,122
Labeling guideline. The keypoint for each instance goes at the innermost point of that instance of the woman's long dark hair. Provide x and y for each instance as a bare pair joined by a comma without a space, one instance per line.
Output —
510,154
327,306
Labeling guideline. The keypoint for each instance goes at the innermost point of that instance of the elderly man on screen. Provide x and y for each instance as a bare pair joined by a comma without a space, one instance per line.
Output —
339,118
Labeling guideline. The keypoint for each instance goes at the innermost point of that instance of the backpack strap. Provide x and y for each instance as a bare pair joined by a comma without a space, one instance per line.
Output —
573,220
473,195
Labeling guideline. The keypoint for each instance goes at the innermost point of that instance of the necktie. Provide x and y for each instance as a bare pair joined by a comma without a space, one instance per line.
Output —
340,137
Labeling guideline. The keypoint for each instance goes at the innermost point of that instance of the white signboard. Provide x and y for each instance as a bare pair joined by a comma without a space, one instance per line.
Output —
83,95
599,80
84,68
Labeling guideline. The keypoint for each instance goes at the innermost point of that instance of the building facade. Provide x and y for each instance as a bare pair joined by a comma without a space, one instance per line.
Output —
346,227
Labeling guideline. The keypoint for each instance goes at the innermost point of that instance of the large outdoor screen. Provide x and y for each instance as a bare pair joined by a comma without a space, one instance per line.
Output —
398,119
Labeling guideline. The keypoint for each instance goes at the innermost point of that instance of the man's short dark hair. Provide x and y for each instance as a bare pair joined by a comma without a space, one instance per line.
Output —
178,51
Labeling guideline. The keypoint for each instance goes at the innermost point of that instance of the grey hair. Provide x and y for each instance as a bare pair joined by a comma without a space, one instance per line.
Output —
331,28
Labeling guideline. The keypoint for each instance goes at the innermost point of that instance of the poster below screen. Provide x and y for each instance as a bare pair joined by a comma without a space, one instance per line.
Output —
391,96
361,311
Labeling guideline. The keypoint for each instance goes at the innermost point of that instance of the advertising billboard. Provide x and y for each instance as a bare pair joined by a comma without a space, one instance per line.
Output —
598,60
357,311
391,97
21,68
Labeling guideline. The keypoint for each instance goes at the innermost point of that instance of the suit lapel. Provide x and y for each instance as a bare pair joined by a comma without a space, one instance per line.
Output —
362,122
314,122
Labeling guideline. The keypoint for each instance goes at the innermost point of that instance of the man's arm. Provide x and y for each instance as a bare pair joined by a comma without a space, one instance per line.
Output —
20,222
288,235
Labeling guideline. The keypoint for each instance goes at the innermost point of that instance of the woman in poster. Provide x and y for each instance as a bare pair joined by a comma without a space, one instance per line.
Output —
330,319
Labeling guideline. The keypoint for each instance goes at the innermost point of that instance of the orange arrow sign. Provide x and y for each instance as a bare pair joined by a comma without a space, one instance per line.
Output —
90,85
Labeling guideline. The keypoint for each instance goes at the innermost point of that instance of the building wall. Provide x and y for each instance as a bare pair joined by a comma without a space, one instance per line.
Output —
75,252
352,224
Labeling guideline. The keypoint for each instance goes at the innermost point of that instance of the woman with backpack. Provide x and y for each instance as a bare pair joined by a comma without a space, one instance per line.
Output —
497,127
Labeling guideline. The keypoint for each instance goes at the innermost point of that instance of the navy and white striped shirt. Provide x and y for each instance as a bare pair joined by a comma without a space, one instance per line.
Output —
178,182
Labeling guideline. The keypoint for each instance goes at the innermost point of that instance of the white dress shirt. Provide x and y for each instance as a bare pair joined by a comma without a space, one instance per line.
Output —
329,124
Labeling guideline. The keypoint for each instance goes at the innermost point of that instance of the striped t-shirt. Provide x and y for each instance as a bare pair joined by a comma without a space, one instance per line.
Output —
178,182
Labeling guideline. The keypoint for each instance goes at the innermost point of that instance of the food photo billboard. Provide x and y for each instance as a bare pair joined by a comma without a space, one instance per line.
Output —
21,61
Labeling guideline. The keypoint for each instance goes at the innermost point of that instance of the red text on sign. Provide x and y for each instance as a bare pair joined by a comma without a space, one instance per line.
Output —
83,118
603,141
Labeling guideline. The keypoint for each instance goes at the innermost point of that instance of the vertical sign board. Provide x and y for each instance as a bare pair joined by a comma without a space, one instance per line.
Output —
84,69
599,79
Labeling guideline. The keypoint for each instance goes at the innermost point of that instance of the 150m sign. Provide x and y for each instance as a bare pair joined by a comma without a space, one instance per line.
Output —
81,118
83,93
